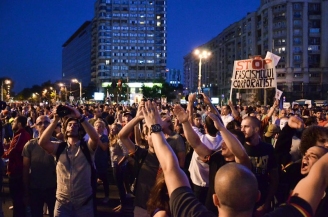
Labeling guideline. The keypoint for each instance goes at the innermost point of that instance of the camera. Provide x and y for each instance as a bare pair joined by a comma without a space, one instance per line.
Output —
62,111
200,98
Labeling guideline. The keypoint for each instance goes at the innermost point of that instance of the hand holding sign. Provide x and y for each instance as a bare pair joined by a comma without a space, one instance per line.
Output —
278,94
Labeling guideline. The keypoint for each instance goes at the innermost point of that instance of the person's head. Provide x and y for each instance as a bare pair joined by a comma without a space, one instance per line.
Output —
318,114
234,124
272,131
42,122
127,117
313,136
72,128
178,129
114,129
167,123
236,189
210,127
264,110
99,126
311,156
310,121
197,120
282,113
97,113
19,123
225,110
250,126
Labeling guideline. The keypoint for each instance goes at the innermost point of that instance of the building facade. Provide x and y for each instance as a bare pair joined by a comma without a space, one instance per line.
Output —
128,41
76,55
294,30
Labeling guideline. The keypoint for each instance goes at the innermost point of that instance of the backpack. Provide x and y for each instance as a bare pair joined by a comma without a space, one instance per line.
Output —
86,152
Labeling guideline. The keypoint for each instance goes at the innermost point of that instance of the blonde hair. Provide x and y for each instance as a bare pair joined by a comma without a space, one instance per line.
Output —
113,139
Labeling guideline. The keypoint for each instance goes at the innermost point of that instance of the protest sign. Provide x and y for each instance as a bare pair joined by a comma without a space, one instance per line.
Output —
278,94
253,74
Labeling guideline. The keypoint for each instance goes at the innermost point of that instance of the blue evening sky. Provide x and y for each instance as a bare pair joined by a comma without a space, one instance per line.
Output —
33,31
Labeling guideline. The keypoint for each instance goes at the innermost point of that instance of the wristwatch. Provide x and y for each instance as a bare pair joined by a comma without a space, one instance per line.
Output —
155,128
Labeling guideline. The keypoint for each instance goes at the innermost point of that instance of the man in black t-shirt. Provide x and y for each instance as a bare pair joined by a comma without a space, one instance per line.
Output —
263,163
235,186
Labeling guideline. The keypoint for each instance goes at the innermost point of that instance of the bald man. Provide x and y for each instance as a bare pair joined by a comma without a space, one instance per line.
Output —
39,173
235,185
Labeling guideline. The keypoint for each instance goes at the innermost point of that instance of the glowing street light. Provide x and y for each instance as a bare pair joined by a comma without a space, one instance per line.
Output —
80,83
65,88
202,55
6,82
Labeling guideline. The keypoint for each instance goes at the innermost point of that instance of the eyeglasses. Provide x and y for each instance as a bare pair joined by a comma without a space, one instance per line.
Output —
43,122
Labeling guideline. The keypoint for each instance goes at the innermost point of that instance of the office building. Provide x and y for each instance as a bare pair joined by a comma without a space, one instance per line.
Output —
294,30
128,41
76,56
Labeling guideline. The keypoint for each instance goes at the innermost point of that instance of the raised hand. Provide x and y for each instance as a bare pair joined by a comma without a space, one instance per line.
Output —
180,113
139,114
151,114
192,98
230,103
295,122
276,103
207,100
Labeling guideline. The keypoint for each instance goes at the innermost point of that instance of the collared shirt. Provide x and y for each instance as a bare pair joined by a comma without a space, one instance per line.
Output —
226,119
73,176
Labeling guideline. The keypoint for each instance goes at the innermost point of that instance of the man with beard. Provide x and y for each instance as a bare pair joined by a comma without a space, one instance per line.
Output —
39,173
74,195
263,162
15,164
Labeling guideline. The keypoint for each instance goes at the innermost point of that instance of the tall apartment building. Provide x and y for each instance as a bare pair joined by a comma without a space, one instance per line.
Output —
295,30
128,41
174,77
76,55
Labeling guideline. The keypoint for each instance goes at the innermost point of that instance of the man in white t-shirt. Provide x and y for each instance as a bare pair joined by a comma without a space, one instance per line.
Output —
226,114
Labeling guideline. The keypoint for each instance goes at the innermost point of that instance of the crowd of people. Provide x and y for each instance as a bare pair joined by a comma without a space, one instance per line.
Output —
175,160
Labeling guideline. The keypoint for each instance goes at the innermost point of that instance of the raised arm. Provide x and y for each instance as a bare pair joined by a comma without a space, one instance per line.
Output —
127,129
190,134
208,102
44,140
272,109
233,144
174,176
89,129
190,108
235,114
312,187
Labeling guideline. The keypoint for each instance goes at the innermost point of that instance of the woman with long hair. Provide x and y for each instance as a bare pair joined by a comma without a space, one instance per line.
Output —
118,155
158,202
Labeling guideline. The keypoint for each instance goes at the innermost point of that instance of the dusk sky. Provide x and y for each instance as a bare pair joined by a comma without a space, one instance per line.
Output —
32,32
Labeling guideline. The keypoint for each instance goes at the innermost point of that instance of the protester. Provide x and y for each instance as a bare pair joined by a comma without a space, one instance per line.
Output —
39,173
74,195
15,164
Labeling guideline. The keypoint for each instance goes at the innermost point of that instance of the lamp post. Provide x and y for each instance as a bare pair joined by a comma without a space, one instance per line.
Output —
80,83
65,89
6,82
201,54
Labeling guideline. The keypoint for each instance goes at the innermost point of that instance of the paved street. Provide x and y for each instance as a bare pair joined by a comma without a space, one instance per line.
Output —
102,209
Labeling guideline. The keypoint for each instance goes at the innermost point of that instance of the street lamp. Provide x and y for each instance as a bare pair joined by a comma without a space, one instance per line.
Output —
65,89
54,90
80,83
201,54
6,82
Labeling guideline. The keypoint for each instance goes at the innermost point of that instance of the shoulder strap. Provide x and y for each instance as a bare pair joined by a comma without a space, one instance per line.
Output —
86,152
60,149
